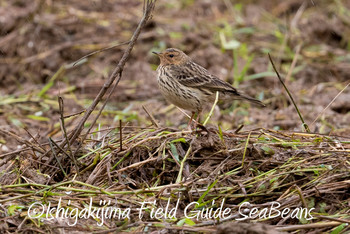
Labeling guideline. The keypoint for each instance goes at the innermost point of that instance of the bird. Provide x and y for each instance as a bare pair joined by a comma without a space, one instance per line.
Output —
190,86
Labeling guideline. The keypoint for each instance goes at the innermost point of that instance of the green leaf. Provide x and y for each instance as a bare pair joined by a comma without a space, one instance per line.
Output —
52,81
183,140
318,140
190,222
221,134
206,192
11,209
261,187
176,35
16,122
339,228
260,75
262,138
274,179
185,221
232,44
246,67
323,205
311,202
39,118
303,220
163,133
159,224
174,152
267,150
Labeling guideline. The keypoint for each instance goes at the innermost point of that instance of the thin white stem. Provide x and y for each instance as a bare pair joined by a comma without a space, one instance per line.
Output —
212,108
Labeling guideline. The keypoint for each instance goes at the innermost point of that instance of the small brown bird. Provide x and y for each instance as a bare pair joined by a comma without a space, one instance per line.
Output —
190,86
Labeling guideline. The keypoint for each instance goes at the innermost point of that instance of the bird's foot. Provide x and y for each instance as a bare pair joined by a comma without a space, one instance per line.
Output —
196,127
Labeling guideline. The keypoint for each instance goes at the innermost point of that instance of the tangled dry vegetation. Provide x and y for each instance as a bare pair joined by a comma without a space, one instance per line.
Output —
53,154
297,170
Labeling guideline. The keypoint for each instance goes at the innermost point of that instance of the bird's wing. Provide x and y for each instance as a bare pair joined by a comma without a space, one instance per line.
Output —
194,75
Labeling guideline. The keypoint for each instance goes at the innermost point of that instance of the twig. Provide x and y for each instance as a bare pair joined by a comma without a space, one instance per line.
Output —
99,51
15,152
117,71
120,136
333,219
74,114
34,138
154,122
245,149
175,160
298,14
187,115
294,62
239,129
63,128
302,198
55,155
307,226
137,164
116,75
290,96
68,155
23,141
97,116
179,176
318,116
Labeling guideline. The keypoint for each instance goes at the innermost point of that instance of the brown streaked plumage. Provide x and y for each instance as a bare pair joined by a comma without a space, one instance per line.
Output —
189,85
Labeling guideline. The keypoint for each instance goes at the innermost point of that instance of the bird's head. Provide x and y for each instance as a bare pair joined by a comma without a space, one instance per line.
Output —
172,56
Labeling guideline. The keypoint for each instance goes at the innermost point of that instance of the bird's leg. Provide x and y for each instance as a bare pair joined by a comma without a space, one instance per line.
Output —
199,115
197,120
190,122
198,124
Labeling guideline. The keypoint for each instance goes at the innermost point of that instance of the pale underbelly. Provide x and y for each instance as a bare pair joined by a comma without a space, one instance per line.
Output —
183,97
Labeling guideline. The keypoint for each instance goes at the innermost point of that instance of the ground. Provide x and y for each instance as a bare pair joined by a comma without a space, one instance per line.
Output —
245,153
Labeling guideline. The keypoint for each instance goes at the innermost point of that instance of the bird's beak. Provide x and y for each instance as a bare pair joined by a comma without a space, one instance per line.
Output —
156,53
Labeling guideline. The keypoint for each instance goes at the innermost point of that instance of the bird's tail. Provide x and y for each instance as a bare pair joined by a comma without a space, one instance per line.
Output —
252,100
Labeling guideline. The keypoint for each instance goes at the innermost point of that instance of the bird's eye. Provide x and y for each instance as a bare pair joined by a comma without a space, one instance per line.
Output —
171,55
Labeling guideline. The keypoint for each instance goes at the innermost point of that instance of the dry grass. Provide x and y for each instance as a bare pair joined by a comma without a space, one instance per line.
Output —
294,169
